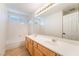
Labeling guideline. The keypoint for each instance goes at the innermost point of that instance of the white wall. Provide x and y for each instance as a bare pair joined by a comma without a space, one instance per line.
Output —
3,28
52,24
16,34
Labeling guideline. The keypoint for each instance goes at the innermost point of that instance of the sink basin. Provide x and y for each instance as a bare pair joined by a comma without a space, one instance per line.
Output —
42,38
53,42
47,40
50,42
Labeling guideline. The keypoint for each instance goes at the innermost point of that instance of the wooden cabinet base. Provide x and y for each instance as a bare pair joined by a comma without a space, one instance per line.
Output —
37,52
35,49
46,51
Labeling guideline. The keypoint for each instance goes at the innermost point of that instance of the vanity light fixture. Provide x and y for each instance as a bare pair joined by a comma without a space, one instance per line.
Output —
44,9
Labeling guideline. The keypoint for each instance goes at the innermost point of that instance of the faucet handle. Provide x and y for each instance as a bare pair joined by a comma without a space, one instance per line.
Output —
63,33
53,40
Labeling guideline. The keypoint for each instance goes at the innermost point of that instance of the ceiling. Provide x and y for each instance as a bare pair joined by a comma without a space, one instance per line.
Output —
59,7
25,7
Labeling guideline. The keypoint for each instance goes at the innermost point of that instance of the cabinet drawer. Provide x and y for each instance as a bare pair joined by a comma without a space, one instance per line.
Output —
46,51
35,44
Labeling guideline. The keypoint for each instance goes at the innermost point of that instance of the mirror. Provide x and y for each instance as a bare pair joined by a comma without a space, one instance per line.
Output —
62,23
71,24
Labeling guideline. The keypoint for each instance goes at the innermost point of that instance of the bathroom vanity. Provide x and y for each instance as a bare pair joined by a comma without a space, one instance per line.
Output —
37,49
43,45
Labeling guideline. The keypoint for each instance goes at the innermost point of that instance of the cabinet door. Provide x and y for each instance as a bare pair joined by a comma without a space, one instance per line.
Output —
26,43
46,51
35,44
37,52
30,46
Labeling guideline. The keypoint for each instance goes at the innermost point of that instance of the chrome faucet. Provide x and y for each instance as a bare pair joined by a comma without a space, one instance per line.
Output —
53,40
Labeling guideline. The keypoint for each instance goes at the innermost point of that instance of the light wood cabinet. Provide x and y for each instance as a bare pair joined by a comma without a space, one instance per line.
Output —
30,47
36,49
35,44
46,51
37,52
26,43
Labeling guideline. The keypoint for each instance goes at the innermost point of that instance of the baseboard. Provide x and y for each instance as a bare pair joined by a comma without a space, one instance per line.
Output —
14,45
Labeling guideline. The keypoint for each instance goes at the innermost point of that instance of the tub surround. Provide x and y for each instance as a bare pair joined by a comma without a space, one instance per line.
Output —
61,46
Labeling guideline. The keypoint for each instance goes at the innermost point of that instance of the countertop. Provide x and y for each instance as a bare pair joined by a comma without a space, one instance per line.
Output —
64,47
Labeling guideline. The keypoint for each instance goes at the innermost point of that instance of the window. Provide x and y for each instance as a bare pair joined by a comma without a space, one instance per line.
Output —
18,18
39,20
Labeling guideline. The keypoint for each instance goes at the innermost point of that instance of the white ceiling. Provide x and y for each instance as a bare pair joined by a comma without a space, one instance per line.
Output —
59,7
25,7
